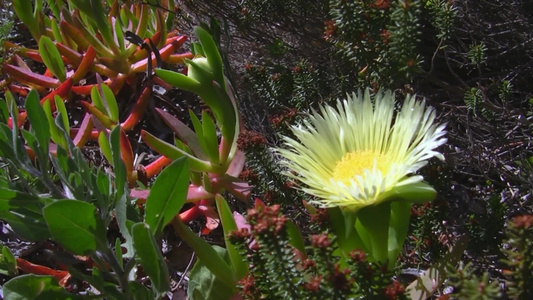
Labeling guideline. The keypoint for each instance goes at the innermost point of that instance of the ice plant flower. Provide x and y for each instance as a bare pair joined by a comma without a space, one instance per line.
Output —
362,153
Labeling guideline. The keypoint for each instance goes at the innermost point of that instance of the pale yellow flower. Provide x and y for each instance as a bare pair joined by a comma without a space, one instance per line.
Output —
360,152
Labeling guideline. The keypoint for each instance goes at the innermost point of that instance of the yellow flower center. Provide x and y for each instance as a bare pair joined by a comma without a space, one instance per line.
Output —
354,163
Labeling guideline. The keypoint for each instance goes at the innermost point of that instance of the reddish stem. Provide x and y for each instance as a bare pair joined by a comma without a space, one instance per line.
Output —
156,166
138,110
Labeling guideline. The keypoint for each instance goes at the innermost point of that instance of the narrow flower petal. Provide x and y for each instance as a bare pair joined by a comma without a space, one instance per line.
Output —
354,154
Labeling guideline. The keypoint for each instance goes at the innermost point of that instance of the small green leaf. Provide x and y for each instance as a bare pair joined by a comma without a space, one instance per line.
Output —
105,147
167,195
228,225
62,110
8,263
151,258
37,118
55,132
74,224
56,31
51,58
31,286
295,237
110,102
96,99
212,54
119,35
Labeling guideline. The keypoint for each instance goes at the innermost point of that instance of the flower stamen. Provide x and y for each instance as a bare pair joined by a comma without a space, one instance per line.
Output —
355,163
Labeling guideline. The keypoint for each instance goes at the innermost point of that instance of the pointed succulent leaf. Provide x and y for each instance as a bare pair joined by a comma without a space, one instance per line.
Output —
105,147
213,55
173,152
210,138
178,80
185,134
238,261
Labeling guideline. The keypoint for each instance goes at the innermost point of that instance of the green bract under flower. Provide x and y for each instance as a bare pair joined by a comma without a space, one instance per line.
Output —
362,153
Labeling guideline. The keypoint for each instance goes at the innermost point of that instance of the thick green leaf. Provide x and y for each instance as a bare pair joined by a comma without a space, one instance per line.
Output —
37,118
75,225
31,286
343,225
207,254
228,225
212,54
416,192
52,58
167,195
209,131
151,258
373,221
203,284
399,227
178,80
173,152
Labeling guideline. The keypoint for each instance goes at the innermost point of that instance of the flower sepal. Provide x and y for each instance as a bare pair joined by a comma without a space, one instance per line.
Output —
418,192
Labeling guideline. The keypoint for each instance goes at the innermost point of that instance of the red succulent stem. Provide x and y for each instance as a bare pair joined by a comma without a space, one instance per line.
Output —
84,65
84,132
28,267
138,110
190,214
156,166
126,152
172,45
23,75
62,91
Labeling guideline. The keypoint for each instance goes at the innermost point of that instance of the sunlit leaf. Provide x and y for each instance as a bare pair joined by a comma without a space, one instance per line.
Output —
167,195
51,58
